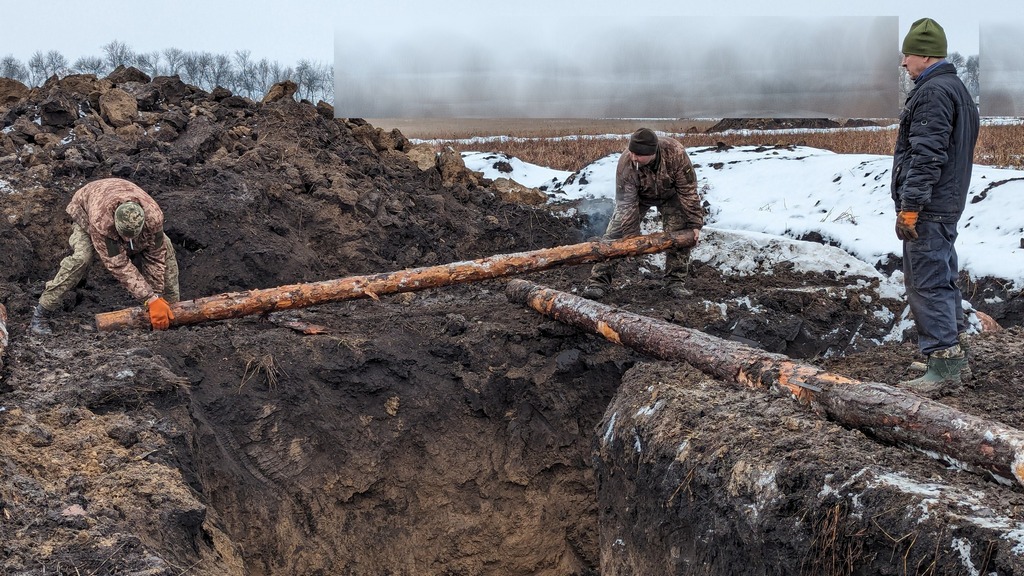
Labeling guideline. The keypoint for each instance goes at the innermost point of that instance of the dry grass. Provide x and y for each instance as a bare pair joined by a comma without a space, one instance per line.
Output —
571,144
1001,146
265,365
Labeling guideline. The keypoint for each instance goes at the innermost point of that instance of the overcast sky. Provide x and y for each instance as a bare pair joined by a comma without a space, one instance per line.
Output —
290,30
283,30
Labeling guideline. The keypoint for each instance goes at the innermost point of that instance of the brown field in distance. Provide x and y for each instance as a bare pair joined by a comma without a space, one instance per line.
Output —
551,142
461,128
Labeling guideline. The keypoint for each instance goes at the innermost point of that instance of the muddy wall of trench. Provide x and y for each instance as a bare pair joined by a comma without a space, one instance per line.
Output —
697,476
457,448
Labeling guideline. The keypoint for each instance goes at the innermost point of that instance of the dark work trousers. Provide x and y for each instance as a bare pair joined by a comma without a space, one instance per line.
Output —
930,270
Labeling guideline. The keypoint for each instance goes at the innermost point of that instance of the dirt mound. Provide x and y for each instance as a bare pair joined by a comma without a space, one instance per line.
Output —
444,431
772,124
859,123
254,195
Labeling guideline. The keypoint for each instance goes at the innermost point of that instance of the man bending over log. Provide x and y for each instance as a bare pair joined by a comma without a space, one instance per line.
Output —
652,172
118,221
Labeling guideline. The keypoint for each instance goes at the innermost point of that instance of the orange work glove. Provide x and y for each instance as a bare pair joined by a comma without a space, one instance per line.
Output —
905,225
160,314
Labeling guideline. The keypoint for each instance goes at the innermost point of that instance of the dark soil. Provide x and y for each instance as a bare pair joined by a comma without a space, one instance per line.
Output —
438,432
699,478
785,123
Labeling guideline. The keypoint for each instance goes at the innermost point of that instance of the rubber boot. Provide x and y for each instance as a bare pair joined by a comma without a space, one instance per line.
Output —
594,292
942,374
40,324
966,375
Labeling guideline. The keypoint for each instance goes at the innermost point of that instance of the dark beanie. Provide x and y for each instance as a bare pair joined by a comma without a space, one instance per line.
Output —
926,38
643,142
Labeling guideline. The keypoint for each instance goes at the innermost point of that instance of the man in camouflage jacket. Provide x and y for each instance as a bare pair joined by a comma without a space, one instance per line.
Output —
117,221
652,172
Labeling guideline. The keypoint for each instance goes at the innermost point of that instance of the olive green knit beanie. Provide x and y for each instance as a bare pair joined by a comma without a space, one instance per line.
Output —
926,38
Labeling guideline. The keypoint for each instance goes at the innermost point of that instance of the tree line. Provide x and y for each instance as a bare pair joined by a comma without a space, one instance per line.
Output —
969,70
251,78
238,72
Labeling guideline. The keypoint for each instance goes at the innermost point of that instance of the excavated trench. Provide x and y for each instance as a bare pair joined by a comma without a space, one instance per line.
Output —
417,433
447,431
452,432
398,443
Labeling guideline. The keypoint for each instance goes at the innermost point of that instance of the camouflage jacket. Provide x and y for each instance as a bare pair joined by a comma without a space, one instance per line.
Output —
92,207
669,178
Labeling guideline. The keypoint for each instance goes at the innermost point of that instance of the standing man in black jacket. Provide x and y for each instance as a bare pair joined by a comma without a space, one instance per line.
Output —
931,176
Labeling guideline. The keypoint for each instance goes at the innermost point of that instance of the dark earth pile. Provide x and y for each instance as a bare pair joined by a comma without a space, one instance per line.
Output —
785,123
440,432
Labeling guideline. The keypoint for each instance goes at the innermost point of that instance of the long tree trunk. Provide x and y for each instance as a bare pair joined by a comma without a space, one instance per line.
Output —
888,413
237,304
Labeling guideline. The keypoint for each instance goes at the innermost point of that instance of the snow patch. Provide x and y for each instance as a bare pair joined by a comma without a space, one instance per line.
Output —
609,434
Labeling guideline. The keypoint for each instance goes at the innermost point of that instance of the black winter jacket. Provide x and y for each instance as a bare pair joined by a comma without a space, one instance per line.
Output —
935,147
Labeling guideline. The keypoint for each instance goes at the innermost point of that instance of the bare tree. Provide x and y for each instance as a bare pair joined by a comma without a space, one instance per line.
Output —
264,73
118,53
906,84
967,70
221,71
957,60
204,61
175,59
245,80
40,67
191,68
305,78
90,65
972,72
11,67
279,73
148,63
328,88
37,68
314,81
56,63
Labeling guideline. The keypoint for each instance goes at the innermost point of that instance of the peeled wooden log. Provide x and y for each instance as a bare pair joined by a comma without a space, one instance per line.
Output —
4,336
885,412
238,304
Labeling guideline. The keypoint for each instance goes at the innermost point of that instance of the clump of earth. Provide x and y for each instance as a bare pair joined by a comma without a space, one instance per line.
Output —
446,431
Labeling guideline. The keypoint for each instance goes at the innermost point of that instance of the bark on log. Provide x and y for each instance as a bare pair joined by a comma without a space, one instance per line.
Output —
4,336
237,304
888,413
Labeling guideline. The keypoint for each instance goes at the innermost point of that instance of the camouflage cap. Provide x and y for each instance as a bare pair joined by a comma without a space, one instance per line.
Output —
129,219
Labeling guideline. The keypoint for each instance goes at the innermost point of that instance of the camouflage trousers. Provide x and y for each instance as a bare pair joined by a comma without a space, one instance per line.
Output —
677,261
74,268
